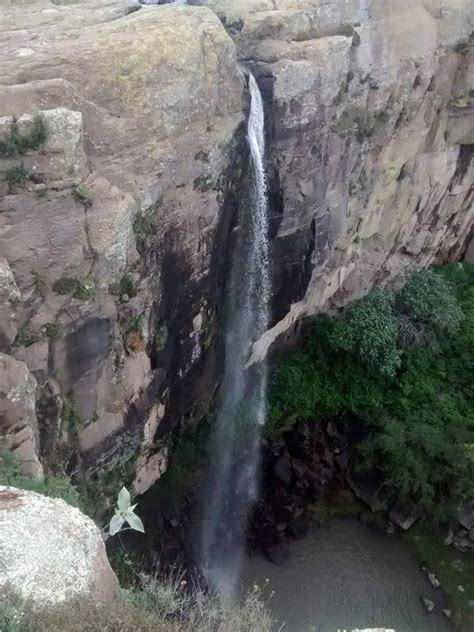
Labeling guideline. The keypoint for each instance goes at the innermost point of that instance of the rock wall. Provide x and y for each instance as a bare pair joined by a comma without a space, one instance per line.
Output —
370,110
115,228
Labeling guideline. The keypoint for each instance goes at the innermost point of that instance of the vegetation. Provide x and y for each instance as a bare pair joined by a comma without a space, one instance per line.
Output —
53,331
54,487
155,605
128,285
16,175
414,405
143,227
359,122
82,195
85,289
340,503
70,416
17,144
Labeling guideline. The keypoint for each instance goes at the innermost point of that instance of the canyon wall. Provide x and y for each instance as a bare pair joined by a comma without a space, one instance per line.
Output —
116,228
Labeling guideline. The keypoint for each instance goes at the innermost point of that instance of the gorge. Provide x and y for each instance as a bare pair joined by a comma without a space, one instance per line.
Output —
185,191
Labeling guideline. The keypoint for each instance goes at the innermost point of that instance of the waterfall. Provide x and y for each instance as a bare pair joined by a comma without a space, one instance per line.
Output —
232,481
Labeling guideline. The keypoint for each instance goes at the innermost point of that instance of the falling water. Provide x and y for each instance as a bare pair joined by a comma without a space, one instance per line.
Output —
232,483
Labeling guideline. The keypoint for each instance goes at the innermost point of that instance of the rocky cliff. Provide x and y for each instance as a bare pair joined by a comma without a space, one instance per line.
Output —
122,157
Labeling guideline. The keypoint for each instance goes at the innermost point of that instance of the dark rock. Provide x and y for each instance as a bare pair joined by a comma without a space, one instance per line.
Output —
282,469
428,604
279,553
404,516
300,469
465,515
448,540
342,460
299,526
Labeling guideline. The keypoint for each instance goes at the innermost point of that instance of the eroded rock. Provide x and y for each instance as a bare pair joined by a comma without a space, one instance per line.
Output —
51,552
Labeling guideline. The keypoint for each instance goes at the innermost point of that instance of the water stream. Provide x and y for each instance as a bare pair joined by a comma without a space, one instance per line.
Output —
232,481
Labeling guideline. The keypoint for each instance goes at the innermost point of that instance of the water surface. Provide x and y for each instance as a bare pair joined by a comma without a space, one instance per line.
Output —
345,576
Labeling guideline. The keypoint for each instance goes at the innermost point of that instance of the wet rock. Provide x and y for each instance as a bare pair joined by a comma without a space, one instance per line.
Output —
465,515
282,469
390,530
404,516
279,553
434,581
448,540
428,604
447,613
299,526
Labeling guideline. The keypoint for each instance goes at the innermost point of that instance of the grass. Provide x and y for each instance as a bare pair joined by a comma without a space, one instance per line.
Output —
53,331
128,285
452,568
17,144
143,227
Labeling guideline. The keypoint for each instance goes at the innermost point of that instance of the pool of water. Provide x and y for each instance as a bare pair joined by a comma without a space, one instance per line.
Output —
346,576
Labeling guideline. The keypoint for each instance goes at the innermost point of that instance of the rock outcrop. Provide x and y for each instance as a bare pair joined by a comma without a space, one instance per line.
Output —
51,553
122,157
370,115
110,221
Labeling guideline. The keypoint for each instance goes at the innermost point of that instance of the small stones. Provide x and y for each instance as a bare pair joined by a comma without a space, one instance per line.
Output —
461,589
447,613
428,604
434,581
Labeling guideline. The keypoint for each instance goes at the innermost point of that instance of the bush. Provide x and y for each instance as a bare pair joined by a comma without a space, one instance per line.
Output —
65,285
430,299
13,617
82,195
368,329
128,285
18,144
54,487
85,289
16,175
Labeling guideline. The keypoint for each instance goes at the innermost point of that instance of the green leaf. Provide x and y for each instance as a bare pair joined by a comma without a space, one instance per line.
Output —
134,521
124,499
116,524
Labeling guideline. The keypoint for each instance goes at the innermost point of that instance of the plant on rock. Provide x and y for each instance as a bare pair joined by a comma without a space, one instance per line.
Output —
124,513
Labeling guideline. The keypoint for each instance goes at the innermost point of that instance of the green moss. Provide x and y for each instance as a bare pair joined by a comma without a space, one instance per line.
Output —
452,568
25,337
359,122
16,175
403,173
17,144
85,289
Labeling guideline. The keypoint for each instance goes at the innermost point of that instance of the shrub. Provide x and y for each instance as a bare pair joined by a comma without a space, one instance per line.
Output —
428,298
368,329
54,487
143,227
70,416
128,285
13,617
16,175
18,144
53,331
85,289
82,195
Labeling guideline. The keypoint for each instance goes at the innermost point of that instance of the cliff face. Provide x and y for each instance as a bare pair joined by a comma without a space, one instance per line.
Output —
115,228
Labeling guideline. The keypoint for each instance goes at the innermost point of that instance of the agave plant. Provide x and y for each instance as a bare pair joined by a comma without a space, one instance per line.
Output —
124,514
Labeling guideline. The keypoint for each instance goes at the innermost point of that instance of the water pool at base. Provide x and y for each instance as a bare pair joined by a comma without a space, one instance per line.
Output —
346,576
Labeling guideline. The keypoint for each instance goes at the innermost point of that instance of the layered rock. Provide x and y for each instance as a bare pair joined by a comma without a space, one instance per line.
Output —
370,118
115,227
140,111
50,552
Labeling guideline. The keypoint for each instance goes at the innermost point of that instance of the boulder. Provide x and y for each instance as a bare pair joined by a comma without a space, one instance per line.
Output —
428,604
18,422
51,552
9,296
404,516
